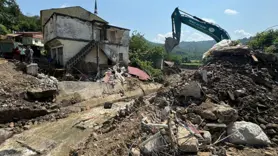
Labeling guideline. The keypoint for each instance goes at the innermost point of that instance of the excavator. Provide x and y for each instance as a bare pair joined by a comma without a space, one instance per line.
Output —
179,17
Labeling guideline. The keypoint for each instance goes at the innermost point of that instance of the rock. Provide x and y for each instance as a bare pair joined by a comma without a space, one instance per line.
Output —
39,94
108,105
152,144
207,137
194,118
240,92
4,135
204,75
231,95
32,69
226,114
247,133
191,90
223,113
271,125
266,153
186,141
135,152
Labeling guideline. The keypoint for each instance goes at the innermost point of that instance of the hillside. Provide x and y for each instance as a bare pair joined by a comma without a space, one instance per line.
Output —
194,50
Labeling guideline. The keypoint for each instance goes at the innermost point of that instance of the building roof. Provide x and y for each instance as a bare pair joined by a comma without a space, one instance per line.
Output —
75,11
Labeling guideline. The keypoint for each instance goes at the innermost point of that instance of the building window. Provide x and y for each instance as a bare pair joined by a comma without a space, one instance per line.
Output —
121,57
113,36
60,56
57,55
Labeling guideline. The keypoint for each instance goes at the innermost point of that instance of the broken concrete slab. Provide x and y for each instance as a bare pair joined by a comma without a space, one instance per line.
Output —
186,141
32,69
152,144
40,94
247,133
191,89
211,111
4,135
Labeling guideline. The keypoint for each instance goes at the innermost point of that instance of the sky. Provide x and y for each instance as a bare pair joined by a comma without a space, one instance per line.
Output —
240,18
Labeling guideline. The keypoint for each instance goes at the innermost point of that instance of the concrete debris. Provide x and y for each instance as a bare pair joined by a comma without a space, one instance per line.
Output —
4,135
247,133
191,89
152,144
187,142
32,69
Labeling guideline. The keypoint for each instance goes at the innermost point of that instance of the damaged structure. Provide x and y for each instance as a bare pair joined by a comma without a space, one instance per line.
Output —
77,38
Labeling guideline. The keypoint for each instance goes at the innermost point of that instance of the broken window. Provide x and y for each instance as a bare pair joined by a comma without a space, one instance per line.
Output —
121,57
113,36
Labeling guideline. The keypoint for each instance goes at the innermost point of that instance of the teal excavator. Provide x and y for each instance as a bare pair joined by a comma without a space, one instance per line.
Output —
179,17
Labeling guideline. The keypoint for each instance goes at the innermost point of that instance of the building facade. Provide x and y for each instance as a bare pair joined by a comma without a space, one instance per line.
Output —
86,42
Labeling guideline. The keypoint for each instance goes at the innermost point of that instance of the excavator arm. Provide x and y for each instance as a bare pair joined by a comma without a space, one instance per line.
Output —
179,17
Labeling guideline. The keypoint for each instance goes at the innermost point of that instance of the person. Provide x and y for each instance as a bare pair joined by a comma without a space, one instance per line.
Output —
22,54
16,53
29,53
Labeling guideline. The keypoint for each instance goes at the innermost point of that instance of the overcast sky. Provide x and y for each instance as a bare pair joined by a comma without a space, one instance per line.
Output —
241,18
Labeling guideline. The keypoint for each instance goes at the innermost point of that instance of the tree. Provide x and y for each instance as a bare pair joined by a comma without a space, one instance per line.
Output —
267,41
144,55
3,30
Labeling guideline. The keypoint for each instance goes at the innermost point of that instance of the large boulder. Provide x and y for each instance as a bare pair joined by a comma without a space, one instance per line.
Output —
247,133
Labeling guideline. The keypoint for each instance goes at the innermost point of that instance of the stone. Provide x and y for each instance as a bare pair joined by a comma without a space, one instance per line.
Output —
191,90
135,152
240,92
186,141
207,137
223,113
38,94
271,125
247,133
4,135
32,69
108,105
204,75
231,95
153,144
266,153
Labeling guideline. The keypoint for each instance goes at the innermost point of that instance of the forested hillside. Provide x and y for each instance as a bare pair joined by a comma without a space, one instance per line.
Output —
12,18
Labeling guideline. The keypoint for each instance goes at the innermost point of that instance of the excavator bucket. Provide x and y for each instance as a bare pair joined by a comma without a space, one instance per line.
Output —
170,44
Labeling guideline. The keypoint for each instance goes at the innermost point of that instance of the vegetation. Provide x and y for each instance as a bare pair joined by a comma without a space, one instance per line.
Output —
266,41
144,55
12,19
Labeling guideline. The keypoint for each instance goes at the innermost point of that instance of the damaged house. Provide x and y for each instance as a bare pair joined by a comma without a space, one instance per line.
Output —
77,38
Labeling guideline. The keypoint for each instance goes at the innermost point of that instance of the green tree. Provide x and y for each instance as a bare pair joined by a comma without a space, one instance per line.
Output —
144,55
267,41
3,30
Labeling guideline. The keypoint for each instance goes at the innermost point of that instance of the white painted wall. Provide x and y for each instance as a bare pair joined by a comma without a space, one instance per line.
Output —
73,28
112,51
92,57
118,36
71,48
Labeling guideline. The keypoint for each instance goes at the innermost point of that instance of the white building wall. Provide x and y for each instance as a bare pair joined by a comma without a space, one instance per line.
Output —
73,28
49,30
113,52
71,48
92,57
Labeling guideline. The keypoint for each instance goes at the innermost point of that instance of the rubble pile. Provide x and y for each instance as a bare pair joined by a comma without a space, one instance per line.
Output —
24,97
230,100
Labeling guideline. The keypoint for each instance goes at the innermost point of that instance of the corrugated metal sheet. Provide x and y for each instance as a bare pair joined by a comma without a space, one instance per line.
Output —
138,72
